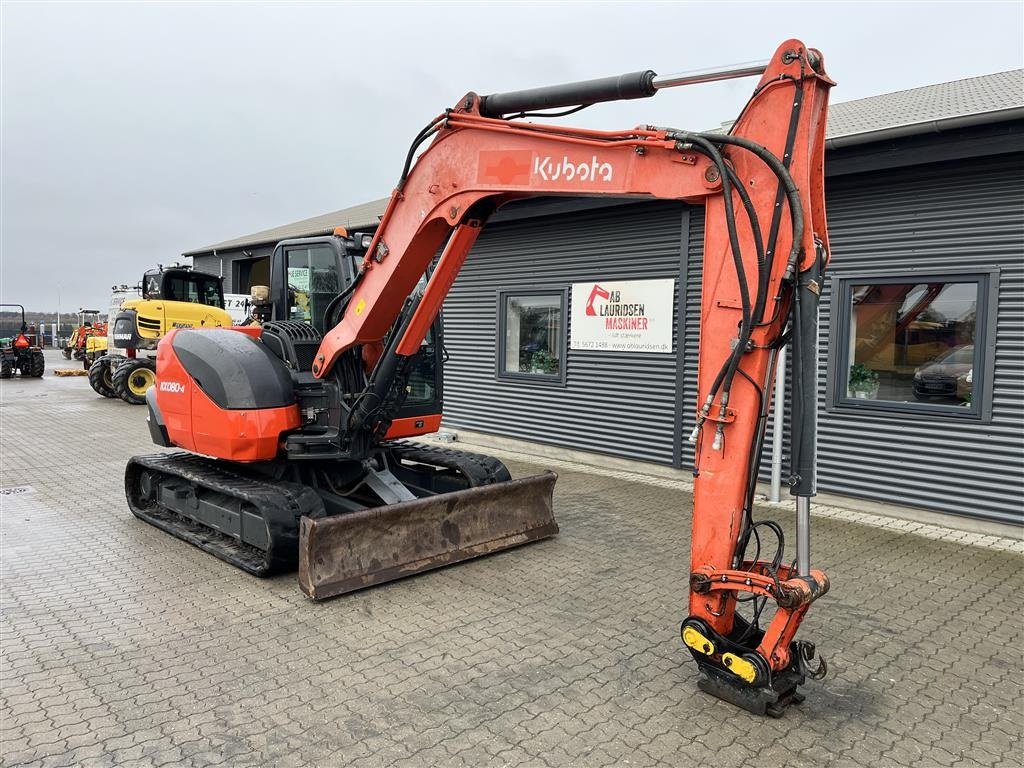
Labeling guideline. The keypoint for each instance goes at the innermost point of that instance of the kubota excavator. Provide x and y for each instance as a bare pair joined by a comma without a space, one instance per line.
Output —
293,430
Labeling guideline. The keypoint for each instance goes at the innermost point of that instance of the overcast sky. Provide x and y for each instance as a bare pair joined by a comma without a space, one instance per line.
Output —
135,131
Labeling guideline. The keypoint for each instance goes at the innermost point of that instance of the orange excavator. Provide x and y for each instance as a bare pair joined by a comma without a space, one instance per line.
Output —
294,433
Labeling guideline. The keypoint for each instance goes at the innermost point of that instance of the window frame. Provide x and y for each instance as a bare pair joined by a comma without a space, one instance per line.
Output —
544,379
836,399
287,249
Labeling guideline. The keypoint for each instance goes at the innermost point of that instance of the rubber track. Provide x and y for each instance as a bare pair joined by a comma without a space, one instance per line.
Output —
476,468
281,503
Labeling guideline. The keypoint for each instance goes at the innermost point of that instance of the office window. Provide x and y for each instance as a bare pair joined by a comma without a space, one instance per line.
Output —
532,335
913,343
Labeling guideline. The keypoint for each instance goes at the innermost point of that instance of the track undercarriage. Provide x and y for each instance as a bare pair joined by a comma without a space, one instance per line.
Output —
409,509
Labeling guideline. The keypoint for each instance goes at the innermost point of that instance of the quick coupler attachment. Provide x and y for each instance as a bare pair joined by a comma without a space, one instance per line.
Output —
732,671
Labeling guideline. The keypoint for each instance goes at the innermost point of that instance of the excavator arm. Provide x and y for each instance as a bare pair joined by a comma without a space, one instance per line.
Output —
766,246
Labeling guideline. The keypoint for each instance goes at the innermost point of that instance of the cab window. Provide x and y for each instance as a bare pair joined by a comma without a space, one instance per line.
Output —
423,379
193,289
313,282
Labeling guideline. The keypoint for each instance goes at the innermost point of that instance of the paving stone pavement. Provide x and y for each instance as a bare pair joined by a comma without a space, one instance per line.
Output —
122,646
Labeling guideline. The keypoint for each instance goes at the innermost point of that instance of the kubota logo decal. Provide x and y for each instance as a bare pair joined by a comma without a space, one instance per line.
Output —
553,170
172,386
523,166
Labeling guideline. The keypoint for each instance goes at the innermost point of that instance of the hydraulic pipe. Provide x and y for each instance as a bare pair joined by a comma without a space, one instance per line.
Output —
803,535
693,77
633,85
779,411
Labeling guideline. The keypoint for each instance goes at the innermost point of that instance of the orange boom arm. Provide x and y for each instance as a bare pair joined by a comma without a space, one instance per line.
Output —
765,247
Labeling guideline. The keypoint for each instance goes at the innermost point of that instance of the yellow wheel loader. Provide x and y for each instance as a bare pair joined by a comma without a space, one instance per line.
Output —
171,297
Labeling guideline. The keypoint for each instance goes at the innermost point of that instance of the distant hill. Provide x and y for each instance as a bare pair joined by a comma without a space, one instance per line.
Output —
11,319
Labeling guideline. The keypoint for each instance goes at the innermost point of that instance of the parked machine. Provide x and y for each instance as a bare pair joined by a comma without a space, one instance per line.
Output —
172,297
292,431
21,354
89,327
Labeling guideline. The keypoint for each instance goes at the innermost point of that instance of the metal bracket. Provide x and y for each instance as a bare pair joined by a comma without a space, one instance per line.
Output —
388,487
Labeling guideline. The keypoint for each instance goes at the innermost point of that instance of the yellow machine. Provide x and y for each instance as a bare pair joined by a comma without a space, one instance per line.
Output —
173,297
95,348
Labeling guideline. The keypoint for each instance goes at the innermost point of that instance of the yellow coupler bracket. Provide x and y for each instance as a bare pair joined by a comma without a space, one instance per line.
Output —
697,641
346,552
740,667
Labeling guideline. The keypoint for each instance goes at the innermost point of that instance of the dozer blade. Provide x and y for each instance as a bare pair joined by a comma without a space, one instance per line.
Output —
350,551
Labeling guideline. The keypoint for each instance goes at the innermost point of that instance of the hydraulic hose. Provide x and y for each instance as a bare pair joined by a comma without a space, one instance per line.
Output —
796,210
725,374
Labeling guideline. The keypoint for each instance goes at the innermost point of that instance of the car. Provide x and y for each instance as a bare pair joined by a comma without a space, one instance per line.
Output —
965,386
938,379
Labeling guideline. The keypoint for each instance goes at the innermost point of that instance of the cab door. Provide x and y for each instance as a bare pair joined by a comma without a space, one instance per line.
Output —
307,275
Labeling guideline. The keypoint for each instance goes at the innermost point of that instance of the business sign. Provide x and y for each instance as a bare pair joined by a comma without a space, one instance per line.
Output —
623,315
237,305
298,278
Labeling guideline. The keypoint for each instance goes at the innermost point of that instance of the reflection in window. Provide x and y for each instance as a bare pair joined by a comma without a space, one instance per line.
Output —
533,333
313,282
913,342
423,379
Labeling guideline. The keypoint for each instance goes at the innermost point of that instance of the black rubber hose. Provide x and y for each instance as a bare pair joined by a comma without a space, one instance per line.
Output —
708,149
796,210
329,321
420,138
761,296
725,379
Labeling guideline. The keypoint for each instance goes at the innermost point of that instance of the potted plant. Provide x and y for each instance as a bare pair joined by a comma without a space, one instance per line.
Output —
863,383
543,362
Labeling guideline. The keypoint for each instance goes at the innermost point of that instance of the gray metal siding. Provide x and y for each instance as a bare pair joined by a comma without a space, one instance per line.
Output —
622,404
941,217
952,215
212,265
691,331
964,214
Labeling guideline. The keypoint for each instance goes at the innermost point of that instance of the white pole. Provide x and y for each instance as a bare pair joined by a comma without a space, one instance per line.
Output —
777,427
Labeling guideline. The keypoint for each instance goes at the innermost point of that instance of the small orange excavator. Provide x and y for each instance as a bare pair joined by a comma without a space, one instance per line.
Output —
89,326
293,432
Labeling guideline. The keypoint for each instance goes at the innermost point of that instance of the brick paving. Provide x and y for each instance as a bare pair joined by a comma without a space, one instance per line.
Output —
122,646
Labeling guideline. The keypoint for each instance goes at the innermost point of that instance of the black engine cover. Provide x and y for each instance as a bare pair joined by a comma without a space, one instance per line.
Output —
235,370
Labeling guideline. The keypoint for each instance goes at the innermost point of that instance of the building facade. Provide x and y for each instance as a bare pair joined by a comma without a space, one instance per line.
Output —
921,395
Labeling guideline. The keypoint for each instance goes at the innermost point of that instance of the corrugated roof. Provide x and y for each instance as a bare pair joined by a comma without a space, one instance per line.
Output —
923,107
365,215
932,103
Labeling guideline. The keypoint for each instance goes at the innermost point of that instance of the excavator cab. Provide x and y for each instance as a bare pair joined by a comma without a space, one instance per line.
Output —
183,284
308,274
172,297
